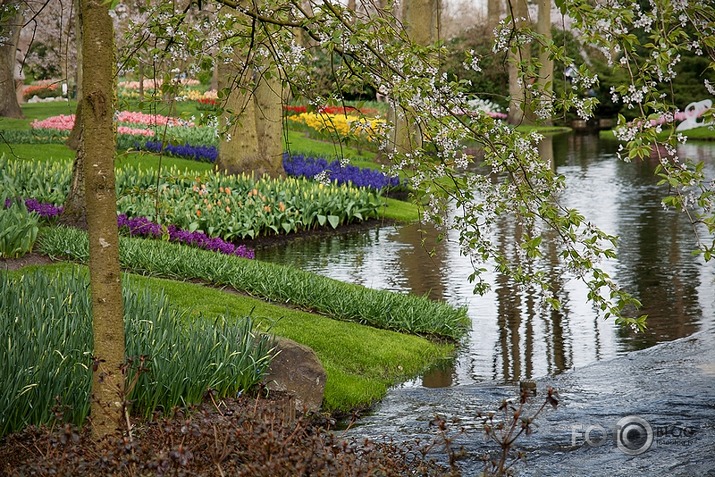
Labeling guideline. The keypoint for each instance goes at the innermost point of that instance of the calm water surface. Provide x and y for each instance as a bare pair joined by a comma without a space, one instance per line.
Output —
512,336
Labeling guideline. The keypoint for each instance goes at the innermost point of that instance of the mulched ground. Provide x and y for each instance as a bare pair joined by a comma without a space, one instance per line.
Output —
247,436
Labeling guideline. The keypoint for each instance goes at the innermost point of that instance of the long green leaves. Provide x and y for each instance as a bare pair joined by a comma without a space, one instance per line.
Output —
226,206
46,340
18,228
283,284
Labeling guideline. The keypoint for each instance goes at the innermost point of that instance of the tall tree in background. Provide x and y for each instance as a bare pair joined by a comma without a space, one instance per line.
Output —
421,20
97,145
75,212
495,12
545,79
519,57
11,12
252,118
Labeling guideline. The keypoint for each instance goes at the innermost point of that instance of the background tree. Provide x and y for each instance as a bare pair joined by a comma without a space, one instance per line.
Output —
49,37
495,13
252,118
97,146
545,79
519,62
421,22
11,19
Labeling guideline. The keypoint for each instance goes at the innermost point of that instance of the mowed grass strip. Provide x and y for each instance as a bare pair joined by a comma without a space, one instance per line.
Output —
277,283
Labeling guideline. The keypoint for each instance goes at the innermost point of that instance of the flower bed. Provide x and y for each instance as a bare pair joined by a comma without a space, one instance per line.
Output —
350,126
300,109
227,206
310,167
186,151
41,90
143,227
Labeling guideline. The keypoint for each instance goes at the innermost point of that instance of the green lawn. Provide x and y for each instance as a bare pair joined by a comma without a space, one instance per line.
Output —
361,362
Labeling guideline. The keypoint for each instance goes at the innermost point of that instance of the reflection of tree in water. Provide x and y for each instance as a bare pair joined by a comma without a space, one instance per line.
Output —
655,260
423,264
517,307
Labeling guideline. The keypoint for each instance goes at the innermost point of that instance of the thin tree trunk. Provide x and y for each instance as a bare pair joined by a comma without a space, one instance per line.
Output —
10,30
546,72
98,146
421,19
519,97
75,212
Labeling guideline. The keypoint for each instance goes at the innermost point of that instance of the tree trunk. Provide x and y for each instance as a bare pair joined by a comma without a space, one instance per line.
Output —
546,72
78,39
98,146
75,212
495,12
269,121
421,20
254,114
519,97
10,30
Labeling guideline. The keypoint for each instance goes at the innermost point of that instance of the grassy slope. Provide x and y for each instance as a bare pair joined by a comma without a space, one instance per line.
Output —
376,359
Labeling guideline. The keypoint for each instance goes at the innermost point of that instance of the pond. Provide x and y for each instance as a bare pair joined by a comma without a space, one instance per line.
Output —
513,337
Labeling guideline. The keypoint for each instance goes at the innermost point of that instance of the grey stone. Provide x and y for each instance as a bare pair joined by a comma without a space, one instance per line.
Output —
297,371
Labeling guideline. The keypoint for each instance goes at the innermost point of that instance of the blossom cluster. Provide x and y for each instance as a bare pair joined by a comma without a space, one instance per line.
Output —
311,167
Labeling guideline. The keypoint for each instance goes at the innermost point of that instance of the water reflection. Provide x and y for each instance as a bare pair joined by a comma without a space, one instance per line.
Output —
513,336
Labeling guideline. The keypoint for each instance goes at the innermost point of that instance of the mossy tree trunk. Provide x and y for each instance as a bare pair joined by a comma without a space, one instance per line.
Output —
253,112
10,26
421,20
98,147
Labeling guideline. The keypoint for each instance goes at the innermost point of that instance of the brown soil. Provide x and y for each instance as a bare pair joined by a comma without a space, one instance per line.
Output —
24,261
